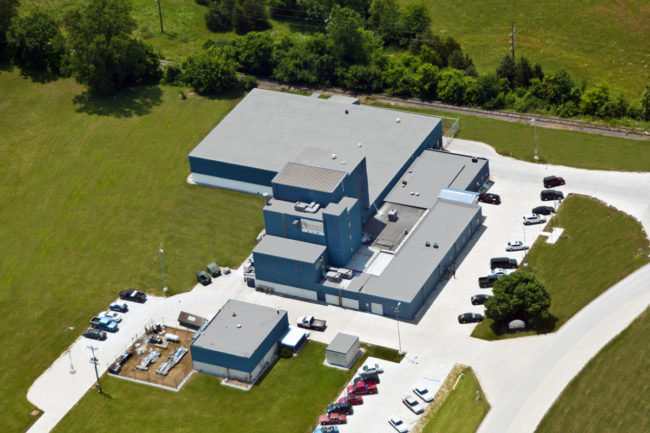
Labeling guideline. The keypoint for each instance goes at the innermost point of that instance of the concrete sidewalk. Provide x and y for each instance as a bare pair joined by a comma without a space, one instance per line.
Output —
521,377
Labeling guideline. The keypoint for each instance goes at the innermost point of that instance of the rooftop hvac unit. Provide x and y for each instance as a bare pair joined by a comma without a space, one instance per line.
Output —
392,215
313,207
300,206
334,277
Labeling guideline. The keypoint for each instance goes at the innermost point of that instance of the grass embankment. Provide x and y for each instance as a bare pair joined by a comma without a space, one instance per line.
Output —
288,399
570,148
599,247
610,394
88,193
595,40
462,409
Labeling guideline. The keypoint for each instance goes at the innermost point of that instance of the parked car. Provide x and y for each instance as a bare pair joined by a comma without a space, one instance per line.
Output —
470,317
551,194
516,246
423,392
371,368
367,377
120,308
342,407
488,280
332,418
533,219
353,399
95,334
213,269
480,299
104,324
544,210
133,295
413,404
203,278
503,262
115,317
489,197
361,388
551,181
309,322
501,271
327,429
398,424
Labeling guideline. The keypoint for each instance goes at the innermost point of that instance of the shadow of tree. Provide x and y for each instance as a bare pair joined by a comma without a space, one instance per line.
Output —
137,101
41,77
544,326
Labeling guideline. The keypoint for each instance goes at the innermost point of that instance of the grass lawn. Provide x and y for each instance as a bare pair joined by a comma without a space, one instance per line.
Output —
461,412
595,238
594,40
289,399
571,148
89,190
608,394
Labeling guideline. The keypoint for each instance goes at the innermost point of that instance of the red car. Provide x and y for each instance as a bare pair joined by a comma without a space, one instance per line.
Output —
353,399
362,388
332,418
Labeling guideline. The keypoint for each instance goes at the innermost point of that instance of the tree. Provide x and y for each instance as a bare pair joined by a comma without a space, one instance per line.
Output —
250,15
518,296
8,10
506,68
36,42
451,86
218,18
645,103
103,55
211,71
595,99
255,52
350,43
384,19
523,73
428,76
415,20
488,89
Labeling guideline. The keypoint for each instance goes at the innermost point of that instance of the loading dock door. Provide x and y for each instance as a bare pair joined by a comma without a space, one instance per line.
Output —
351,303
377,309
332,299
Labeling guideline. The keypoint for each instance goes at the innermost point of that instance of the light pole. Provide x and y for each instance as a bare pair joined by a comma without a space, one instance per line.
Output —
525,250
162,269
535,138
69,328
160,15
95,361
399,339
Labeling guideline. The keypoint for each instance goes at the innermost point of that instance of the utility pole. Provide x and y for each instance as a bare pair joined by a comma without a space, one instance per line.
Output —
69,328
162,269
535,138
512,39
95,361
160,15
399,339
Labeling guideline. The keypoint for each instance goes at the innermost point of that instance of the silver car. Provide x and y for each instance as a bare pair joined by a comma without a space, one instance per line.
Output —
423,392
533,219
398,424
516,246
413,404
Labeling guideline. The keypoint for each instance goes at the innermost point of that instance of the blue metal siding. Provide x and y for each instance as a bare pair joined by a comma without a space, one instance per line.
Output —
339,246
286,271
356,183
201,354
282,225
294,194
274,336
231,171
355,223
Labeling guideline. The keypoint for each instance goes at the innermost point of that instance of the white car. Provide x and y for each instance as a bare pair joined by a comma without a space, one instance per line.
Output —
501,271
413,404
371,368
423,392
113,315
516,246
533,219
398,424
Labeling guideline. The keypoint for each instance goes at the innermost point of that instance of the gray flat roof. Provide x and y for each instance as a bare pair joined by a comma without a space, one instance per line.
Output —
222,334
414,261
267,129
429,173
309,177
289,248
287,207
342,343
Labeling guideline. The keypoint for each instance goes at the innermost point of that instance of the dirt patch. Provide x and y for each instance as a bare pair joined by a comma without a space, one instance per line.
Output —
142,348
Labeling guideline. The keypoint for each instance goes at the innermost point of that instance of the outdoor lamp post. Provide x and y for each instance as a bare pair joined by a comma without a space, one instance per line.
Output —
162,269
69,328
399,340
535,138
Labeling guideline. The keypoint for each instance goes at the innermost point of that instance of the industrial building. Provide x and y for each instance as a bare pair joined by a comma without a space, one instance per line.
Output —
363,210
240,342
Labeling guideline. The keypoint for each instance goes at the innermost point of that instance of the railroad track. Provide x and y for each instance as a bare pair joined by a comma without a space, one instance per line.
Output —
508,116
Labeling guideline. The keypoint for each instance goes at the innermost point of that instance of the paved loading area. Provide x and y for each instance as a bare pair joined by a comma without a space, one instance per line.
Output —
521,377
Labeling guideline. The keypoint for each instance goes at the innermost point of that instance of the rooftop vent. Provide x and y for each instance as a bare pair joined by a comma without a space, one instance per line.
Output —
343,162
412,193
474,159
239,325
234,314
404,182
435,245
333,156
359,144
347,112
397,120
427,244
417,194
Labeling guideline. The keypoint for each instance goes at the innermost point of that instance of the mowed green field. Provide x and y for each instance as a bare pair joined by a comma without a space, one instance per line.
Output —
595,237
595,40
462,411
610,394
571,148
289,399
89,192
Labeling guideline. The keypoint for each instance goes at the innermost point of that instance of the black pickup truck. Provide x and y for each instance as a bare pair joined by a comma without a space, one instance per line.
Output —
133,295
488,281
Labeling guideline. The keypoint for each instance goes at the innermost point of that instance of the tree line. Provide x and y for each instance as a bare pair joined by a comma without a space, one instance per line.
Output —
362,45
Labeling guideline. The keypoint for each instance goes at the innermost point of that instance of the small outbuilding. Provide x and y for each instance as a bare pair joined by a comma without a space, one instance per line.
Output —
295,339
343,350
240,342
191,321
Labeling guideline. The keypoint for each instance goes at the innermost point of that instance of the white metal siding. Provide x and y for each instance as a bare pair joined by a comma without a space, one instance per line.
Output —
351,303
289,290
377,308
332,299
265,362
235,185
336,358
